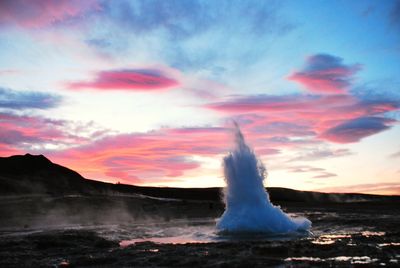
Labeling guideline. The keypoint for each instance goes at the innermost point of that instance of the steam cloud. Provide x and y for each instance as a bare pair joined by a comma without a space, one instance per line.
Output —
247,204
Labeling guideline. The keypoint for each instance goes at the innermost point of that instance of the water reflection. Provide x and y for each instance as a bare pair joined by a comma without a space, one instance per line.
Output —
347,259
328,239
204,231
197,231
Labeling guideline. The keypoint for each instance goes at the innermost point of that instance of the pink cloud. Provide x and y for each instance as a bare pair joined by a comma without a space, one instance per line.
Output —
156,156
286,103
7,150
325,74
130,79
313,116
30,133
153,156
137,158
41,13
17,129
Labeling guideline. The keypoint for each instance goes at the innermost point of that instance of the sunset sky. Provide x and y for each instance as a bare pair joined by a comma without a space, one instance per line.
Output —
145,92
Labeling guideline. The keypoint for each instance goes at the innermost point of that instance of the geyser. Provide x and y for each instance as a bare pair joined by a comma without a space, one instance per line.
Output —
247,204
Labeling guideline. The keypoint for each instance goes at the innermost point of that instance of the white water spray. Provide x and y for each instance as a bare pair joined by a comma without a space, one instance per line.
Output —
247,204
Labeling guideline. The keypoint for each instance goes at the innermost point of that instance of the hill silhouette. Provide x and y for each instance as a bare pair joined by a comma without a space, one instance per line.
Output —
36,175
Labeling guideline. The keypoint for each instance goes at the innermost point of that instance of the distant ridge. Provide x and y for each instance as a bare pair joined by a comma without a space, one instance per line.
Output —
36,175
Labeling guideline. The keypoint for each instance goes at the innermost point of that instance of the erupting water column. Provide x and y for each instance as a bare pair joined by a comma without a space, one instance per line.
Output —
247,204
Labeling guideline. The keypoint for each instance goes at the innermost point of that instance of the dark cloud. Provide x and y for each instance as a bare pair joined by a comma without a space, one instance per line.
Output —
20,100
325,74
356,129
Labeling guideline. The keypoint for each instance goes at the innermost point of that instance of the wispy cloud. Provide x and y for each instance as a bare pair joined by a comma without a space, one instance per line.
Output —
41,13
207,36
390,188
395,155
20,100
9,72
304,104
320,172
182,19
325,175
304,169
318,154
35,133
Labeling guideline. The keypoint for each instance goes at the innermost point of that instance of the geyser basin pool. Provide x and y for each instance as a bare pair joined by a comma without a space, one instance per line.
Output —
248,208
188,231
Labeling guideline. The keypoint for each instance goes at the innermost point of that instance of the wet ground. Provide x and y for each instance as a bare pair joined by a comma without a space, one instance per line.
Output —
348,235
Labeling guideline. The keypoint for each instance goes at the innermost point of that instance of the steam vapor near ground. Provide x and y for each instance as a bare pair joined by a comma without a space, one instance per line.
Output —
247,204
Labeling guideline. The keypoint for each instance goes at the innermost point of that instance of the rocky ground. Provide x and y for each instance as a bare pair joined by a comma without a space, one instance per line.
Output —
343,236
